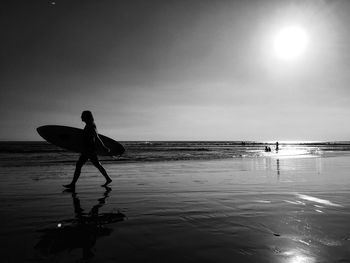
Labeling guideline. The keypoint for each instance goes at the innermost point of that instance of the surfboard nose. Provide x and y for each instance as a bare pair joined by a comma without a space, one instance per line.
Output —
41,131
44,131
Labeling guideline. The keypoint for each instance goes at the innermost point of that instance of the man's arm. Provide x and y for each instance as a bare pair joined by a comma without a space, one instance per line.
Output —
101,142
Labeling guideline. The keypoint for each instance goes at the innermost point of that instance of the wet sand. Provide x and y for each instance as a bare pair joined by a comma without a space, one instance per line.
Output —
238,210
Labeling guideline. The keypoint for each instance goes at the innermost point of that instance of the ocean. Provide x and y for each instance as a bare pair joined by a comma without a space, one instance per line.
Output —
43,153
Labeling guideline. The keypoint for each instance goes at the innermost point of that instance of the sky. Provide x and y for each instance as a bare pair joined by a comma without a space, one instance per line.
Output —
175,70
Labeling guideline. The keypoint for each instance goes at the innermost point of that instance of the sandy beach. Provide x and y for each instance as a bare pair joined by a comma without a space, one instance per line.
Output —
235,210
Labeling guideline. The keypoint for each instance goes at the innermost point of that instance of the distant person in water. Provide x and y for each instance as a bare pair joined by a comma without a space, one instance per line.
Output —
90,136
277,147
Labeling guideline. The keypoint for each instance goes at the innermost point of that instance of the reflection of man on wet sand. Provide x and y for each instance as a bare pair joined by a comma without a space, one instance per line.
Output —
80,232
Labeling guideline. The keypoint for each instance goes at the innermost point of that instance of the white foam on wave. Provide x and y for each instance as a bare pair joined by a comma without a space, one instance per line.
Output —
317,200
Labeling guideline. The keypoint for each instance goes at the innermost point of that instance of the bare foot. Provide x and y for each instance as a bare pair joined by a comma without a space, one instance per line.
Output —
107,182
70,186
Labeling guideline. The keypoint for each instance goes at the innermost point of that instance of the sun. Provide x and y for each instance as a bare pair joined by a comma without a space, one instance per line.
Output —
290,42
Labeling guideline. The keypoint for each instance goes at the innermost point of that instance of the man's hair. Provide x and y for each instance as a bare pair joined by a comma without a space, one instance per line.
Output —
87,116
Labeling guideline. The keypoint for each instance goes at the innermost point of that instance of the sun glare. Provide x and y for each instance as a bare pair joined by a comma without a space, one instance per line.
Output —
290,42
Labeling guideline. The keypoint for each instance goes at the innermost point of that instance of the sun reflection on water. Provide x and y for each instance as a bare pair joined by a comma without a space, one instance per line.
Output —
293,152
297,256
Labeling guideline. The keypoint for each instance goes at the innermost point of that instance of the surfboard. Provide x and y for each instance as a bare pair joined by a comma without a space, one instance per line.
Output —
71,139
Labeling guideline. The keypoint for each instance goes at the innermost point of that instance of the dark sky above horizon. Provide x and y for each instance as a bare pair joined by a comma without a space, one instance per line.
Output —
175,70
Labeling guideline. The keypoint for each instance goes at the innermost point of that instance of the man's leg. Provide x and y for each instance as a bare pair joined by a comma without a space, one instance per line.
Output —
82,160
98,165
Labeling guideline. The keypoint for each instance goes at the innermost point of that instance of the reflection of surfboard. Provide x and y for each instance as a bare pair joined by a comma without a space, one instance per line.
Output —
72,139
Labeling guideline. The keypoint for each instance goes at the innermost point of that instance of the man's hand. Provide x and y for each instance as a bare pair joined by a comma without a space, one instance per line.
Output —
107,149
